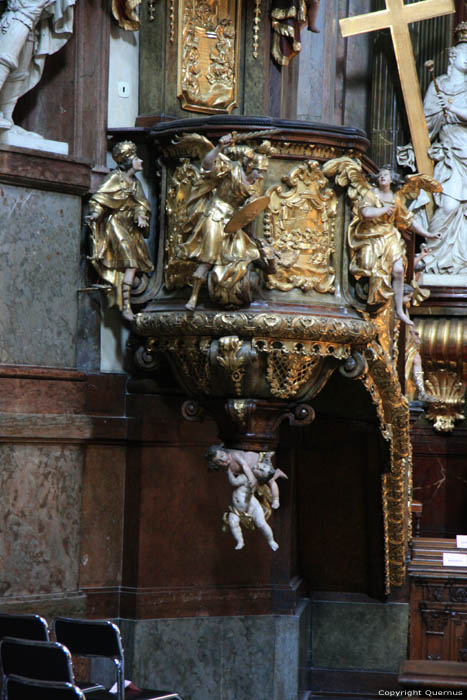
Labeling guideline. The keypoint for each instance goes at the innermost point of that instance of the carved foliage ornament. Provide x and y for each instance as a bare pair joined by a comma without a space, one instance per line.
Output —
260,366
300,224
208,55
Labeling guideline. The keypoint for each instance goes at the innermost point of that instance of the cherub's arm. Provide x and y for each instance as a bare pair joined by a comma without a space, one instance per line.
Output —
275,488
376,212
237,480
246,468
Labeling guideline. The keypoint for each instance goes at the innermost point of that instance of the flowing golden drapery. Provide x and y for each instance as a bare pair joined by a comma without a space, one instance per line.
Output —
375,245
212,203
117,242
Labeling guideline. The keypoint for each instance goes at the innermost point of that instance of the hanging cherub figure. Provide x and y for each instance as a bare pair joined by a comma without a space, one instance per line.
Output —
230,179
256,492
119,221
377,251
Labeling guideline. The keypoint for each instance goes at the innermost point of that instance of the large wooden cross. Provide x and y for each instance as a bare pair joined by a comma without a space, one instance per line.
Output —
397,17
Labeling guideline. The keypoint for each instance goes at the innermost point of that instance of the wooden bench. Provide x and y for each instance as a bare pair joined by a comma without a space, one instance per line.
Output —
433,674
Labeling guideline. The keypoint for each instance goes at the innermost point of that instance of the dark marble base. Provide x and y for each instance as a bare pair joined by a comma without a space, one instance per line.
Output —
359,635
256,657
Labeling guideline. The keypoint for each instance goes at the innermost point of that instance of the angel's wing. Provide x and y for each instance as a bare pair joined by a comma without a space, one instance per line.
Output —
348,173
191,145
415,183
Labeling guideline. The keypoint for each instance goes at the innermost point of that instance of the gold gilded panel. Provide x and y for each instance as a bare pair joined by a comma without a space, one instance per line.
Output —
300,225
208,55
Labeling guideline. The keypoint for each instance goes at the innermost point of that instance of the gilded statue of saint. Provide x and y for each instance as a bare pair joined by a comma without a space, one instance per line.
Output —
119,222
223,256
377,250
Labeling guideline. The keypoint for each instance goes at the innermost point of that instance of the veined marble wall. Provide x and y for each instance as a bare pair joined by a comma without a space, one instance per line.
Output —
39,276
359,635
254,657
39,518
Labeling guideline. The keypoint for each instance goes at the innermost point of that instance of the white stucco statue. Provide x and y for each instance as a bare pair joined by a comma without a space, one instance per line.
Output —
30,30
445,107
256,493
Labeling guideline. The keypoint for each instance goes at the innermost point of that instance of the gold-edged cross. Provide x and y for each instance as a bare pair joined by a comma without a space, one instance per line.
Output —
397,18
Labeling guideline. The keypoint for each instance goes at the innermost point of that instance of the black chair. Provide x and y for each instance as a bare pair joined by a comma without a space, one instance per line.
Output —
24,627
20,688
101,639
44,661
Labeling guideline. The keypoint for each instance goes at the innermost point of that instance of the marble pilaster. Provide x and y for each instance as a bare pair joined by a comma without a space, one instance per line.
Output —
39,276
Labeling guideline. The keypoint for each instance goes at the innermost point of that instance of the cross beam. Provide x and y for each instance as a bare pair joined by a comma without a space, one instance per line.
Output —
397,17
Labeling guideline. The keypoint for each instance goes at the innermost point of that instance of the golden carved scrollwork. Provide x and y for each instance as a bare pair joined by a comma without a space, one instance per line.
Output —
299,223
443,349
248,324
231,361
208,54
392,409
290,365
447,400
178,270
190,358
285,369
287,373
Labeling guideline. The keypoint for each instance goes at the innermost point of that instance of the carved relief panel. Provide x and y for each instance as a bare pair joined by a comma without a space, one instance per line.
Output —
208,55
299,223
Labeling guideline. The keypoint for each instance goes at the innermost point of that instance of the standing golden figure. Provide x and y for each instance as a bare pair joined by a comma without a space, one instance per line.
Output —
216,240
377,251
119,221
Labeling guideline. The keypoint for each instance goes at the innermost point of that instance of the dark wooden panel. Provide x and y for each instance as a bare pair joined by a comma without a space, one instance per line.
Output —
339,465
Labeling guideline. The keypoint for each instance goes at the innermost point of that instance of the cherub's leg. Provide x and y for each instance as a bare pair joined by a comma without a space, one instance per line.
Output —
127,284
236,530
199,278
257,514
398,287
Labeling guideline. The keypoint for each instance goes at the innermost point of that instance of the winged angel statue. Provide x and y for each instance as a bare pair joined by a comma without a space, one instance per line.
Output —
209,208
378,258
